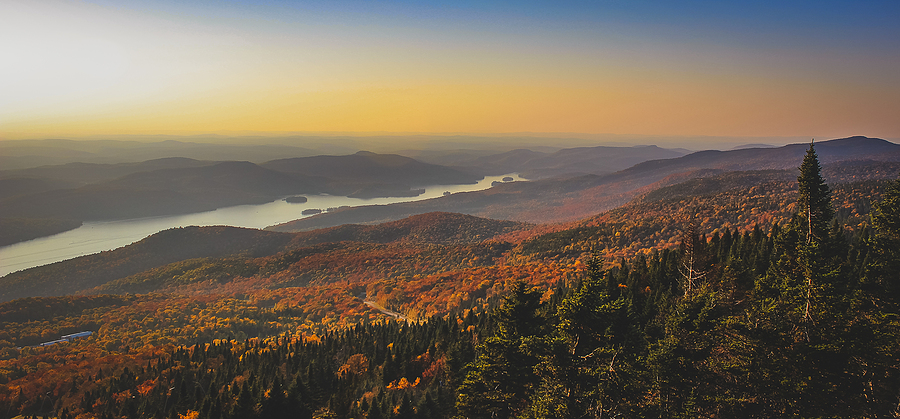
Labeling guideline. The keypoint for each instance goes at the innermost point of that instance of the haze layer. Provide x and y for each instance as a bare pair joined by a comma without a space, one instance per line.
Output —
824,69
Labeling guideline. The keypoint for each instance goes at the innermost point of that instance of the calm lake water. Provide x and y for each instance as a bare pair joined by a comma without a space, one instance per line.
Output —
94,237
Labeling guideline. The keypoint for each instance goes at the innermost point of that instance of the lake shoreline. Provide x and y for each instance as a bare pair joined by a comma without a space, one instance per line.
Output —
97,236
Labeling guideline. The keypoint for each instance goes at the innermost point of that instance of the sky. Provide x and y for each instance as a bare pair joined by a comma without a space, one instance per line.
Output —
822,69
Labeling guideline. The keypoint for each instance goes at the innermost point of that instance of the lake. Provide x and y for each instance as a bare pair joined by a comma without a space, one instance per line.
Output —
97,236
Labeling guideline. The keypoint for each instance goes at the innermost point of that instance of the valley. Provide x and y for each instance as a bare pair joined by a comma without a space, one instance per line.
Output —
97,236
572,285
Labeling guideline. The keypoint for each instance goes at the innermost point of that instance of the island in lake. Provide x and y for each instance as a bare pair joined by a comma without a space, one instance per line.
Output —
299,199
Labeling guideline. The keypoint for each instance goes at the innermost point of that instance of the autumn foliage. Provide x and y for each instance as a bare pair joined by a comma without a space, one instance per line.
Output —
255,324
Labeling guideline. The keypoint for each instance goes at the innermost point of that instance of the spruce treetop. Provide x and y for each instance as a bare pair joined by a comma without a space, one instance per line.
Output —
814,200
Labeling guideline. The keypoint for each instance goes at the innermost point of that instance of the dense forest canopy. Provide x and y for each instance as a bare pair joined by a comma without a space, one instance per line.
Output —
733,303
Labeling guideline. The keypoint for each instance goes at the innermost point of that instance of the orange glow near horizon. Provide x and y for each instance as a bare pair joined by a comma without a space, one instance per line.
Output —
103,71
673,109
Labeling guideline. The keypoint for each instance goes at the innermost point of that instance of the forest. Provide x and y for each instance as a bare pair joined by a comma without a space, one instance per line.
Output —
744,294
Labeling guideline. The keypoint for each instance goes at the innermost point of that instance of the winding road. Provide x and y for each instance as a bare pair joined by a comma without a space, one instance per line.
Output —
385,311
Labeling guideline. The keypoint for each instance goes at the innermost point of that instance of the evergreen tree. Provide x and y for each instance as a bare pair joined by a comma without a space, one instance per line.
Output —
586,363
797,291
876,326
374,411
244,406
814,199
405,409
500,381
885,261
694,259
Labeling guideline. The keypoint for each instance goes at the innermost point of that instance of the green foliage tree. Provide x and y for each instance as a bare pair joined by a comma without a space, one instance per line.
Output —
694,258
586,367
885,261
500,380
813,200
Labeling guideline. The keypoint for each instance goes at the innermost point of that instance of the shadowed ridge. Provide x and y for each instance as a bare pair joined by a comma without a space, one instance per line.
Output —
571,199
368,167
432,227
165,247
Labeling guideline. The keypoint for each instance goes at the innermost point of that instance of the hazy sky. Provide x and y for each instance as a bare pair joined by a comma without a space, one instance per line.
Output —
722,68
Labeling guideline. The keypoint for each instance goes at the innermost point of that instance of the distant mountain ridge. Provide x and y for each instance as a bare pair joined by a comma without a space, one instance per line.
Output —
567,196
594,160
569,199
22,154
568,161
62,196
785,157
178,185
368,167
86,173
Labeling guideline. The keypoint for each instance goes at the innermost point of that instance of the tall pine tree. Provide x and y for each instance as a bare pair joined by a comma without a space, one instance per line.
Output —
814,205
802,302
814,199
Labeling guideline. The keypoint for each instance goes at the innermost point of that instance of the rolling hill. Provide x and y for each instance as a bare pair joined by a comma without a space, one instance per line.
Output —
79,174
180,244
351,172
573,198
573,161
433,227
44,200
221,321
73,275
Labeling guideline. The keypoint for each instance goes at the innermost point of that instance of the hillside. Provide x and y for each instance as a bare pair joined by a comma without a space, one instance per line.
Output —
587,160
564,162
786,157
733,200
161,192
51,199
168,246
607,295
24,154
79,174
300,316
17,186
351,172
434,227
86,272
570,199
14,230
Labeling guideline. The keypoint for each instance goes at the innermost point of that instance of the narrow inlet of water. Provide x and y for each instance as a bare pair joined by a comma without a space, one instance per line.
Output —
94,237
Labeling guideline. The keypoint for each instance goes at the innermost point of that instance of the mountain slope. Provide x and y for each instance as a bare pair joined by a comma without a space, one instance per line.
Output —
569,199
593,160
181,244
85,173
367,167
162,192
165,247
433,227
21,154
569,161
785,157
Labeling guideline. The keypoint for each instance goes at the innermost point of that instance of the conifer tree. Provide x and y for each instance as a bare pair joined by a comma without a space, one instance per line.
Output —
821,254
694,258
814,199
807,250
874,327
498,383
886,221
